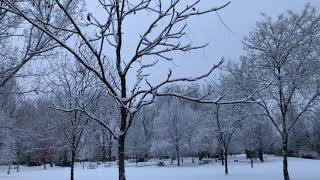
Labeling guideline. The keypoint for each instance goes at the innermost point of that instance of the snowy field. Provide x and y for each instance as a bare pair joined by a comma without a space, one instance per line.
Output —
300,169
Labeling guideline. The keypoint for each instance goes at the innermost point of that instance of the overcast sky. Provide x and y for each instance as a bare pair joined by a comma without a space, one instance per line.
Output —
240,16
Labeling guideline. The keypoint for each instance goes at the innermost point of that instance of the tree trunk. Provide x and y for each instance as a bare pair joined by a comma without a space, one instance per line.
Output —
110,148
260,151
73,154
44,160
123,118
252,153
121,156
104,146
222,159
9,168
226,171
135,156
178,155
285,157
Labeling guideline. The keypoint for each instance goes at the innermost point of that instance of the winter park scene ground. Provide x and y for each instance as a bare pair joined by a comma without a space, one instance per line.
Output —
159,89
301,169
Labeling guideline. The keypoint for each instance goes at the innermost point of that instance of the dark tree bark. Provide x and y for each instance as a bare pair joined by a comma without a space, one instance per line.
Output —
44,160
252,154
178,156
226,171
9,168
260,151
121,156
285,157
222,159
251,161
73,155
121,139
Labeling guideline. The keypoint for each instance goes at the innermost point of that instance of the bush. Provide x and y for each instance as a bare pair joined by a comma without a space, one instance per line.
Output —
33,164
64,164
308,153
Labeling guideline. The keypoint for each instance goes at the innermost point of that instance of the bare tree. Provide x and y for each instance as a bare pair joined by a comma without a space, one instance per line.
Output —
73,88
285,51
228,121
107,112
148,115
164,35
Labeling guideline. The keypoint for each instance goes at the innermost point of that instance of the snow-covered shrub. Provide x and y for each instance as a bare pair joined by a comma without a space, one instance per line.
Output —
308,153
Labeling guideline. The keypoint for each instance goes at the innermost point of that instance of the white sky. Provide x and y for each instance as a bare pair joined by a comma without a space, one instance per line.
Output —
240,16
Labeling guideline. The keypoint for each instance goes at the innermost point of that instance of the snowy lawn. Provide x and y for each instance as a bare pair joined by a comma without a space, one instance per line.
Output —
300,169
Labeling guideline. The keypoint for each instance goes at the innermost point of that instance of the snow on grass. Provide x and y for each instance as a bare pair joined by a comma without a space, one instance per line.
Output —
300,169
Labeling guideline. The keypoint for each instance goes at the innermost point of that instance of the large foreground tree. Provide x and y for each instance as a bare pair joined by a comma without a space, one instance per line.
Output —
98,43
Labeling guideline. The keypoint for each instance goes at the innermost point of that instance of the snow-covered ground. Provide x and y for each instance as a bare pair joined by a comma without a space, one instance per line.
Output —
300,169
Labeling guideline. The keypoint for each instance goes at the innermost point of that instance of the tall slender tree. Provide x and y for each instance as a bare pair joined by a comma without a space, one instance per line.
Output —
284,51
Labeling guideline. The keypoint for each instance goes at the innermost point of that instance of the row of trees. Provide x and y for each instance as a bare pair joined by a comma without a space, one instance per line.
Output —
276,81
42,131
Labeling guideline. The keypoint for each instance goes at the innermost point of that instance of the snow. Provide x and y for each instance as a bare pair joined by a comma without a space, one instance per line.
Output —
300,169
